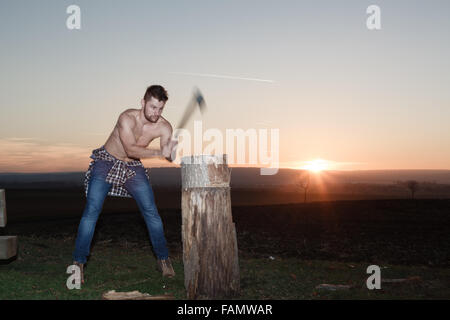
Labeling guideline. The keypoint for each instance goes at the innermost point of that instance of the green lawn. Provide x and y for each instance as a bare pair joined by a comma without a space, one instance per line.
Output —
39,273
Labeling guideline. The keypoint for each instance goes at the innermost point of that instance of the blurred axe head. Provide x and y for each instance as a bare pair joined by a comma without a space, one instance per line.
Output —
200,100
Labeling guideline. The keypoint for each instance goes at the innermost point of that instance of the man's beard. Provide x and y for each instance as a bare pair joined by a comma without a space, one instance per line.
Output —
152,119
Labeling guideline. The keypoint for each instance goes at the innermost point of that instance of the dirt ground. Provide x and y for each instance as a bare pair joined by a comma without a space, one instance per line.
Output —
392,231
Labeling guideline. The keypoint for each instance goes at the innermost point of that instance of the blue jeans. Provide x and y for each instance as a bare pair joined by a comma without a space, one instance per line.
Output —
139,188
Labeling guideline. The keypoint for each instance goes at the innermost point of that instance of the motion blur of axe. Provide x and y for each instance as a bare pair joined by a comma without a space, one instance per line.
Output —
196,100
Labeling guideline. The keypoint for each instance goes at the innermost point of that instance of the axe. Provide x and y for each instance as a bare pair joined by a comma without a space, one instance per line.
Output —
196,100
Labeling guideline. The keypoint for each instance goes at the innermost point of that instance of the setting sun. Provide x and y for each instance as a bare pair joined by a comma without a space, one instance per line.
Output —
316,165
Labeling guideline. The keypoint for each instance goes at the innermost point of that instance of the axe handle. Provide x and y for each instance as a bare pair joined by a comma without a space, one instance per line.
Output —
187,114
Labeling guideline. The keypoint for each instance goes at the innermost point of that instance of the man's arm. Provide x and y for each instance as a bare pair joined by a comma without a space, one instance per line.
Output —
128,140
168,146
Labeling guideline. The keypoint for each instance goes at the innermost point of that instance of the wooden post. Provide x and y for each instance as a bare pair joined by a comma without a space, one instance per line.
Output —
210,253
8,247
8,244
2,209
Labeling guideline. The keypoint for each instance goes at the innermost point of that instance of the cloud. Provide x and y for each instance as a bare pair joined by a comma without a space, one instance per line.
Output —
95,133
23,139
37,155
329,164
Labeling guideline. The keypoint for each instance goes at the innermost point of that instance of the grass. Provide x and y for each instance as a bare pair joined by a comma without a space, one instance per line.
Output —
312,243
39,273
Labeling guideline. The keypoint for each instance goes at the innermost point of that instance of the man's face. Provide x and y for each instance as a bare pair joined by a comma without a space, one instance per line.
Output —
153,109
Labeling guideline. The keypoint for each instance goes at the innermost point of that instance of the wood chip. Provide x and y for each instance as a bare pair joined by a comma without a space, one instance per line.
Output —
410,279
333,287
134,295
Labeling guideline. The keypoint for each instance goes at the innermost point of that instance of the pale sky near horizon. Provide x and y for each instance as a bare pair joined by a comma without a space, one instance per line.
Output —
337,91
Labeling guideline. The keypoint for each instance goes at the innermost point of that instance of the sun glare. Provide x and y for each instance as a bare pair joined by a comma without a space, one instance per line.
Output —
316,165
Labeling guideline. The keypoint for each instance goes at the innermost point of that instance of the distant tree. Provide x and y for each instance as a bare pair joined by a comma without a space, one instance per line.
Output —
303,183
413,186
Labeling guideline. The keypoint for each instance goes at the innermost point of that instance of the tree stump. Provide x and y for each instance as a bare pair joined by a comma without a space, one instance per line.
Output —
8,244
210,253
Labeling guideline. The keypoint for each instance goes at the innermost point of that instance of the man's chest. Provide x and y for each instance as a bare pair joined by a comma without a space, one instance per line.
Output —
145,135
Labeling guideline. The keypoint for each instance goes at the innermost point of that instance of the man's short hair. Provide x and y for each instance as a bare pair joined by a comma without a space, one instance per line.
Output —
157,92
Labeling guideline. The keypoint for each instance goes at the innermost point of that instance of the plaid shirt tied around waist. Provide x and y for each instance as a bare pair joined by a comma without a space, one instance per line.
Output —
117,175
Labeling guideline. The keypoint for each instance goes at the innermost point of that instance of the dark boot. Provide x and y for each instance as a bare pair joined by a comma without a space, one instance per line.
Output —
81,266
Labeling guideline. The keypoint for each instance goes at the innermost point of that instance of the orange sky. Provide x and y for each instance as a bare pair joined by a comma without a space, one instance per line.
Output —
356,98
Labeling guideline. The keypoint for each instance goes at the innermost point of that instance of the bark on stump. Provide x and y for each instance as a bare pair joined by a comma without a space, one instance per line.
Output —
210,253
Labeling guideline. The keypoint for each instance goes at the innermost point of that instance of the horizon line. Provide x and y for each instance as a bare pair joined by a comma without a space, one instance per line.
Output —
242,167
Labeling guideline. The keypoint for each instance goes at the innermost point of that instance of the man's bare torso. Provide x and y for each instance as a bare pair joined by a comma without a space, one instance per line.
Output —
144,134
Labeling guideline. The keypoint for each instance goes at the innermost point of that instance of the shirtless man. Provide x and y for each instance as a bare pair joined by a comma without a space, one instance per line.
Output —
116,170
136,128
